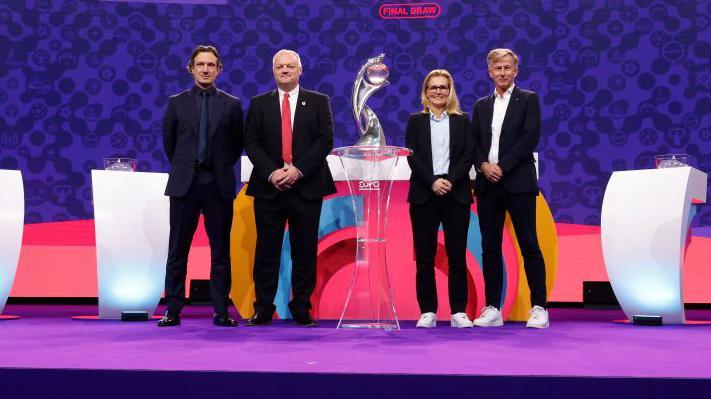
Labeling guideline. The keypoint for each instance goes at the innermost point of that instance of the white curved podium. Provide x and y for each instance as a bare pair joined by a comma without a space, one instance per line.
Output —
644,225
12,221
131,217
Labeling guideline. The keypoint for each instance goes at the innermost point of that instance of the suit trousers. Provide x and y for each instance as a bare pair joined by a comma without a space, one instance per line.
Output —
271,217
491,207
184,216
426,219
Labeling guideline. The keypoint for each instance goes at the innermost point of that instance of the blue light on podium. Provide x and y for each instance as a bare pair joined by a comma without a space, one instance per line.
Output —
131,290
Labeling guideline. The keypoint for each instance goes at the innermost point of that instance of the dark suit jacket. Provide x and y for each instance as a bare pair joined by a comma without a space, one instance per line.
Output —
461,156
180,141
312,141
520,134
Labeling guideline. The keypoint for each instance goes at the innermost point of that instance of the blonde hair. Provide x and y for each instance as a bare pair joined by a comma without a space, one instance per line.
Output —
498,53
452,106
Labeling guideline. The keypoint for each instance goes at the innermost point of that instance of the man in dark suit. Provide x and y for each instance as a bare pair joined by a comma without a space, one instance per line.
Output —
203,136
507,128
288,135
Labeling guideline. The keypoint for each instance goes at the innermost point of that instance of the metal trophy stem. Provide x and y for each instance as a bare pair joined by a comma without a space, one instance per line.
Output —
368,166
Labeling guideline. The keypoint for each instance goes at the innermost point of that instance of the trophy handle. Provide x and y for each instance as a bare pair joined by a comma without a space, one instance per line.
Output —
371,132
372,135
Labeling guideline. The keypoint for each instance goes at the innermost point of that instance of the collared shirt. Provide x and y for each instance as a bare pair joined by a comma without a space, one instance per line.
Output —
497,121
293,98
439,138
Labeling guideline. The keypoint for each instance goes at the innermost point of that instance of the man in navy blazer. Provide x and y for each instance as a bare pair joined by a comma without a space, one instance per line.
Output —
507,128
203,133
288,135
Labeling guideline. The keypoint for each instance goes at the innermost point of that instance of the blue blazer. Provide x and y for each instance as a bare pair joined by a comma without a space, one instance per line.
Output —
520,134
180,141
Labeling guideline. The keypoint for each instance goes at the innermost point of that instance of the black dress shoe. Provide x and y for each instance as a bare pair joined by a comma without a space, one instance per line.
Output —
169,320
258,320
223,320
305,321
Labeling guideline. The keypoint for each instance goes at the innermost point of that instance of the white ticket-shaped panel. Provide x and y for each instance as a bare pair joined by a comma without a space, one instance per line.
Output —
12,218
131,217
644,224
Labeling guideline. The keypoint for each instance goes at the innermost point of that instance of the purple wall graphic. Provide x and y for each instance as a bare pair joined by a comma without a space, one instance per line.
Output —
620,81
172,1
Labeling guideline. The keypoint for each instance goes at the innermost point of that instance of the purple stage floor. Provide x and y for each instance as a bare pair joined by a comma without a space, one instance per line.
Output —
580,343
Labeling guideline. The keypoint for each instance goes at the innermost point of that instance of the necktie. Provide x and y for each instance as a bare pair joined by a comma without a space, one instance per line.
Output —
202,134
286,129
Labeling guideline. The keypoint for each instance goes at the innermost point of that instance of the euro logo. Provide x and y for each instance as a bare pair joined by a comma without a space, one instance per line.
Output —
368,185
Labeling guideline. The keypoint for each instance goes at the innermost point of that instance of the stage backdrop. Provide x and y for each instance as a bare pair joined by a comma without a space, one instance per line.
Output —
80,80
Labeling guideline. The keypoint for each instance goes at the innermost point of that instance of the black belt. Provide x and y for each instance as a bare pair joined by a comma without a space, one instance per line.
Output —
444,176
203,167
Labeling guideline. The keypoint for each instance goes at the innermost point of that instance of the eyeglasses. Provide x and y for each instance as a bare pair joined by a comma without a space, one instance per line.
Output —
442,88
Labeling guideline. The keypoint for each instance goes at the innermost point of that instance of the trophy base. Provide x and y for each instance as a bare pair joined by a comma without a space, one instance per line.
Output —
369,325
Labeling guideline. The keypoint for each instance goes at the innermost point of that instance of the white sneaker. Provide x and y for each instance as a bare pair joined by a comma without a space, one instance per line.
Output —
460,320
490,317
538,318
427,320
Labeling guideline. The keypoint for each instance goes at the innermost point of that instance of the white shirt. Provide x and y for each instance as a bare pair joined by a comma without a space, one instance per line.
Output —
293,98
439,138
497,121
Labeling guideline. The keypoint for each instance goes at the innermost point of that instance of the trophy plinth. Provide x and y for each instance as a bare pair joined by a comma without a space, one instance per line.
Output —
368,171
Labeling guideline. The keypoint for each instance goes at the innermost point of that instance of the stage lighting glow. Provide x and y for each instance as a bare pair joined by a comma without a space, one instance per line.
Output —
654,293
132,291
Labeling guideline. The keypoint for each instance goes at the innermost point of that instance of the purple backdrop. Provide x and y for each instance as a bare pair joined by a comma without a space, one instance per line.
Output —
620,81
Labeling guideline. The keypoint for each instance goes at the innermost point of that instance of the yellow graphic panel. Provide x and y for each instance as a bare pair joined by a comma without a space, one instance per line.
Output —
548,241
243,240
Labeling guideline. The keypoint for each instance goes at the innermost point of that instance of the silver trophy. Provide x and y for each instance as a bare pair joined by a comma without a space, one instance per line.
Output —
368,167
371,77
120,164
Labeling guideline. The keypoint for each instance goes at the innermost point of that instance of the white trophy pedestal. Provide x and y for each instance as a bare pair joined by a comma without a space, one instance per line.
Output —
131,217
12,222
644,225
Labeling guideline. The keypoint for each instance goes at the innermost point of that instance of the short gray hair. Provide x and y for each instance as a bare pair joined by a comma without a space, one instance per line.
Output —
286,51
498,53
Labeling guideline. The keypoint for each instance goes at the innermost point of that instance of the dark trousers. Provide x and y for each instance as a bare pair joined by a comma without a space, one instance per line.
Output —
271,216
184,216
426,219
492,206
